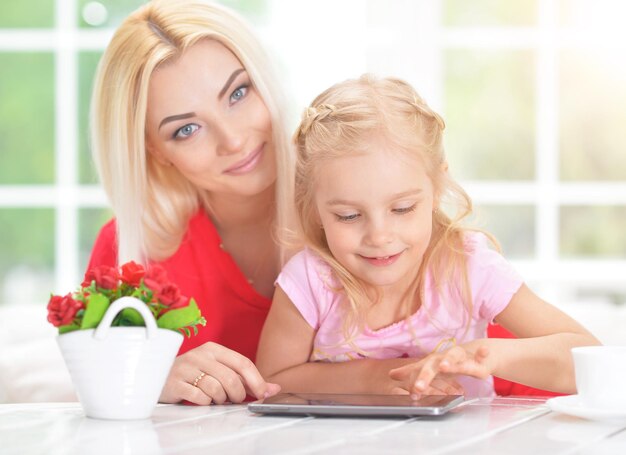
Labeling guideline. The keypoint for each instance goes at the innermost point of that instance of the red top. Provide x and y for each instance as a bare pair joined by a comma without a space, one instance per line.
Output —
504,387
234,310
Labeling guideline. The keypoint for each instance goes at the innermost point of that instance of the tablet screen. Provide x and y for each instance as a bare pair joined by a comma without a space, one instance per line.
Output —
355,404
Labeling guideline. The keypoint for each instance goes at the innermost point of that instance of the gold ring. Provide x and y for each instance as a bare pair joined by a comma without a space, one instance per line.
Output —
200,376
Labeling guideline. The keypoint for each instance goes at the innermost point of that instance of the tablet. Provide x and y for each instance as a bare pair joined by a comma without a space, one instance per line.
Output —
355,404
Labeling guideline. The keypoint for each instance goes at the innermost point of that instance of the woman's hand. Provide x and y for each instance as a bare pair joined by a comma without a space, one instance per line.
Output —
433,375
228,376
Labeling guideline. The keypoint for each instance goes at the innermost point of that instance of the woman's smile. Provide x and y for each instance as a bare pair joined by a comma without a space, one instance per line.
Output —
248,164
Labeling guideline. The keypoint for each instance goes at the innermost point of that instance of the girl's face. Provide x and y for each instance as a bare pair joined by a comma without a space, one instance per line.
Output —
376,211
206,119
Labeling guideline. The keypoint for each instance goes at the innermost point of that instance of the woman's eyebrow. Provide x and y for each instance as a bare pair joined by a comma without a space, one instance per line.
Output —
230,81
172,118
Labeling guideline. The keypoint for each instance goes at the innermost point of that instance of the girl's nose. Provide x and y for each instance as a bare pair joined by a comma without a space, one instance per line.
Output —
230,139
378,233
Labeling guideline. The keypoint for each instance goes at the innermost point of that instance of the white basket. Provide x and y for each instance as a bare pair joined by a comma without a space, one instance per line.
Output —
119,372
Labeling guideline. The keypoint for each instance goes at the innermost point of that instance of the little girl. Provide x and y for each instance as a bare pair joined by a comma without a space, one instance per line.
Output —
391,294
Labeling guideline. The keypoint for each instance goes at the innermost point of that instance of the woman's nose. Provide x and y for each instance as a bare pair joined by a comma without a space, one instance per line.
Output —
230,139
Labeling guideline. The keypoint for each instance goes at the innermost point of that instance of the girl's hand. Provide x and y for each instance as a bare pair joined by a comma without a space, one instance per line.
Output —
442,384
228,376
425,376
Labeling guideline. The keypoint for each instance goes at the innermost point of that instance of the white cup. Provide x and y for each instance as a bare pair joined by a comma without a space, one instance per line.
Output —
601,376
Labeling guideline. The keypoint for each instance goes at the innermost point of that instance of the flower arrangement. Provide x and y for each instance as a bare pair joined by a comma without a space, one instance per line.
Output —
85,308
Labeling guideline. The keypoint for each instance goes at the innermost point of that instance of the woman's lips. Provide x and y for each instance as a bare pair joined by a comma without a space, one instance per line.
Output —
382,261
248,164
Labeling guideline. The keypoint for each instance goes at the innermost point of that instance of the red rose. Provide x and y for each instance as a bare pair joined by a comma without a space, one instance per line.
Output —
106,277
155,278
61,310
132,273
171,297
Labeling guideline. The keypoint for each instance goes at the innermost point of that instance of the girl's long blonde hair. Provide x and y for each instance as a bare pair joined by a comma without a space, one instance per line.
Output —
152,202
341,121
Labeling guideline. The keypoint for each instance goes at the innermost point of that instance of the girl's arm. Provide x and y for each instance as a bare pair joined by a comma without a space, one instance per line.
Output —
285,348
540,357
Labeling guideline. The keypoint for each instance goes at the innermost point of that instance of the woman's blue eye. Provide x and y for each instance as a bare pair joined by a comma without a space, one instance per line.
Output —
238,94
186,131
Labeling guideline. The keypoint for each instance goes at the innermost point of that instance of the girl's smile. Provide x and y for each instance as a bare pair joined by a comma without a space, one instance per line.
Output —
382,261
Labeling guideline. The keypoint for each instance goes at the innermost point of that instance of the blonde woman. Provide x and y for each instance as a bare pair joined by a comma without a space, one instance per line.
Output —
392,294
190,145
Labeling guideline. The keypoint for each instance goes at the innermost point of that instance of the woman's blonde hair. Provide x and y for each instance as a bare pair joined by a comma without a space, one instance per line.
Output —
152,202
343,120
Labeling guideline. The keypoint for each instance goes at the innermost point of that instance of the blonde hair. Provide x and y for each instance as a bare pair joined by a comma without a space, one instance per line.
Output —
152,202
343,120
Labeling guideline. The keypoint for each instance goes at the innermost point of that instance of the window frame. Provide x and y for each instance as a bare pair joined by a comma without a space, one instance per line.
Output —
558,279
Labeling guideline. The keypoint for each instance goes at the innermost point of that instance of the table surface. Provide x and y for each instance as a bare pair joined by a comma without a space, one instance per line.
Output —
483,426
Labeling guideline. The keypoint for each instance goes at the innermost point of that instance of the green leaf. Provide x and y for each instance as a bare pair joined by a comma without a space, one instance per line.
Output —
96,307
131,317
68,328
180,317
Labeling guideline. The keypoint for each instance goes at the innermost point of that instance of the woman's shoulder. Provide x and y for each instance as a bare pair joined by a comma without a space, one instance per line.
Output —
104,251
200,228
200,232
109,229
201,223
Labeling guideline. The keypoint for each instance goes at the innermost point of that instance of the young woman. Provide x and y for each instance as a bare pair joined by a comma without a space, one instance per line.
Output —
191,148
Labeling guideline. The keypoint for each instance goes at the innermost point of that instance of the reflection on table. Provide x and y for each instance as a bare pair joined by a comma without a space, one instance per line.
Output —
485,426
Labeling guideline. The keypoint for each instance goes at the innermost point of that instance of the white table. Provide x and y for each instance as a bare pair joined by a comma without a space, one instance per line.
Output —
486,426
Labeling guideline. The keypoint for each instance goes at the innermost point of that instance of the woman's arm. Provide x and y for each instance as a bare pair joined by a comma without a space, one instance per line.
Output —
285,348
540,357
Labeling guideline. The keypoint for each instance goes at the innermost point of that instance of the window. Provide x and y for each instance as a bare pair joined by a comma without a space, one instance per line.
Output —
533,95
533,104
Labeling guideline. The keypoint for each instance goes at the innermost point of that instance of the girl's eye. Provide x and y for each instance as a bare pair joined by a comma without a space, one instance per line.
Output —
347,218
403,210
186,131
238,94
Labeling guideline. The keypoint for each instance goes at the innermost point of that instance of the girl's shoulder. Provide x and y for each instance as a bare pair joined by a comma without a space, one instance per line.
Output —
477,241
308,281
308,266
482,251
491,275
